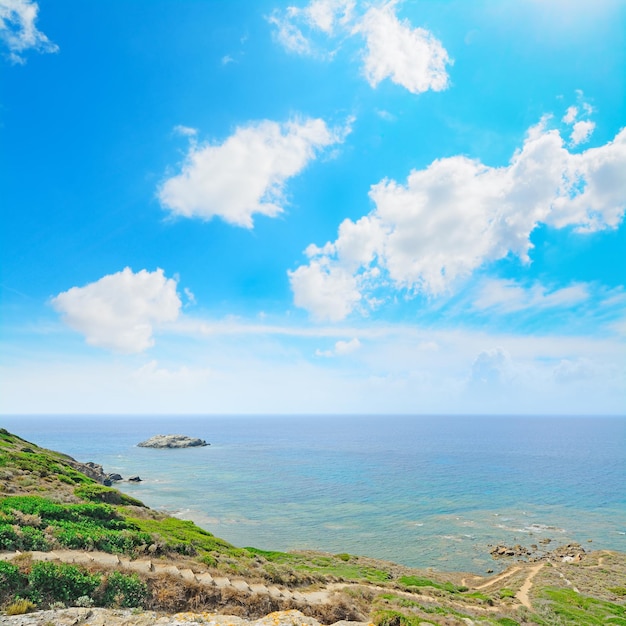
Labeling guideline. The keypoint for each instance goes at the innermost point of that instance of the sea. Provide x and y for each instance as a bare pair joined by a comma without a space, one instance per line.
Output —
425,491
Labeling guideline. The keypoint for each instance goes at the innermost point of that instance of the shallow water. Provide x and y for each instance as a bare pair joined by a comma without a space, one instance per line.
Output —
424,491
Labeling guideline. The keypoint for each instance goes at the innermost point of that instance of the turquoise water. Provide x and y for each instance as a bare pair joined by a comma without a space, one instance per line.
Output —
424,491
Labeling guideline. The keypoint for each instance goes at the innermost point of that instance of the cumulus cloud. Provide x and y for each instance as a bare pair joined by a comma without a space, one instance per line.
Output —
457,214
581,132
410,57
18,30
327,292
491,368
247,173
119,311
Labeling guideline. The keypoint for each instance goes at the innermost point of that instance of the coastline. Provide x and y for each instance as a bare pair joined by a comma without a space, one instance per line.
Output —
437,502
166,564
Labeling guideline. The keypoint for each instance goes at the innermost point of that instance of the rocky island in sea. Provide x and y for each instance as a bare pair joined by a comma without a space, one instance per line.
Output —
75,551
172,441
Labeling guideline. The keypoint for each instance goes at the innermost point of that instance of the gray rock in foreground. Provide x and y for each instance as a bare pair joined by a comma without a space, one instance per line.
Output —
172,441
112,617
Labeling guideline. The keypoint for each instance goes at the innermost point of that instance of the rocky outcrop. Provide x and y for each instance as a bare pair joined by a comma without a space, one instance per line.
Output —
92,470
114,617
565,553
172,441
506,551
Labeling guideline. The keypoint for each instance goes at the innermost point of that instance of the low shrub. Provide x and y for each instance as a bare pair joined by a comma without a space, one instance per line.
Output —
124,591
12,581
20,606
8,537
60,582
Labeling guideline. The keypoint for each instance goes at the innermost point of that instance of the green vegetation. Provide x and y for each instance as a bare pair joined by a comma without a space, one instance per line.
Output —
183,537
47,504
100,493
59,582
569,607
416,581
36,523
124,591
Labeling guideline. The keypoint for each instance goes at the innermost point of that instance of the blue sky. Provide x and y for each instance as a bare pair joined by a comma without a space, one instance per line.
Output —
312,207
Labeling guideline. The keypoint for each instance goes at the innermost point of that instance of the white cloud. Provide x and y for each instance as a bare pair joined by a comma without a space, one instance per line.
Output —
576,370
185,131
18,30
319,15
411,57
341,348
491,368
119,311
570,115
582,132
405,369
247,173
508,296
328,293
178,378
458,214
191,298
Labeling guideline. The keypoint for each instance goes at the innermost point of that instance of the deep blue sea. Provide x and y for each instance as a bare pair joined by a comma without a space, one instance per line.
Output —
423,491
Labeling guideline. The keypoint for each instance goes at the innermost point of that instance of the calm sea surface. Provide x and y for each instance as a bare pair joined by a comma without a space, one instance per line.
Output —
423,491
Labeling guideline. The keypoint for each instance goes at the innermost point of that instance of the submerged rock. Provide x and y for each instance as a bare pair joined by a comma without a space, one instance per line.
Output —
172,441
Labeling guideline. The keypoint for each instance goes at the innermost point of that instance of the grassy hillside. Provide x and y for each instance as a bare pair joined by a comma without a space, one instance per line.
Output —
50,509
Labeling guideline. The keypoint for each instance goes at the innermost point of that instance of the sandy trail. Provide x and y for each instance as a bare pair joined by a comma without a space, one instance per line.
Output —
497,579
522,594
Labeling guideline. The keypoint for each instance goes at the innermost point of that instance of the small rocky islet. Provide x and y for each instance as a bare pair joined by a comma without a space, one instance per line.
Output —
173,441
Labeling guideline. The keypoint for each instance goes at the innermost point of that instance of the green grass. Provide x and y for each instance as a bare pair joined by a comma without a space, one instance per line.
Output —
342,570
579,610
107,495
184,537
417,581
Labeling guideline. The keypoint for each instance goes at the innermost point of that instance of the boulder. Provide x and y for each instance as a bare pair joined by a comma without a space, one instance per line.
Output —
172,441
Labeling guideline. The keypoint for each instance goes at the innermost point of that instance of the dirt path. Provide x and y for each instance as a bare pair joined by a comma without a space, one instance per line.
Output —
497,579
522,594
148,566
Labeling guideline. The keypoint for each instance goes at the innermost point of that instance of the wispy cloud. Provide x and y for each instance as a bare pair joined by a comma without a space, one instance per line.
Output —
18,31
508,296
